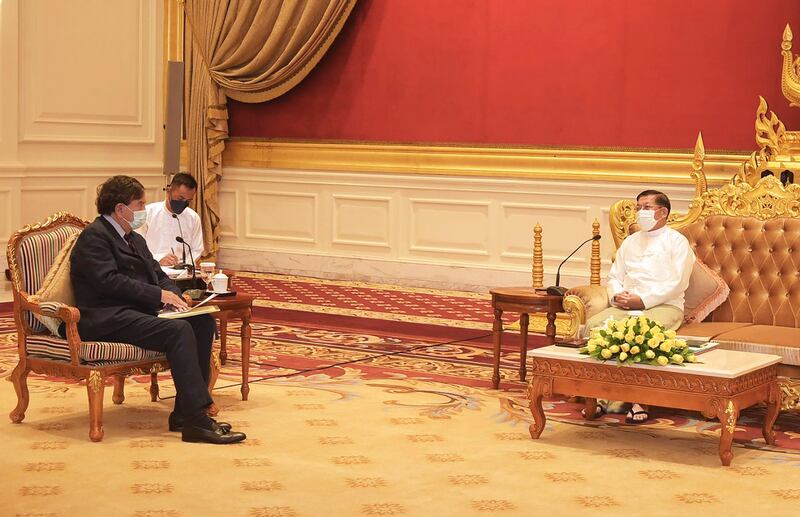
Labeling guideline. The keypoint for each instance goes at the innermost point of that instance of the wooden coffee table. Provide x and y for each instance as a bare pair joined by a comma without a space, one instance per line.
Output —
523,300
725,383
236,307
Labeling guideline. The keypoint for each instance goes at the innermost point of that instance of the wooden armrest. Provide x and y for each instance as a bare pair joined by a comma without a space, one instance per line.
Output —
62,311
67,313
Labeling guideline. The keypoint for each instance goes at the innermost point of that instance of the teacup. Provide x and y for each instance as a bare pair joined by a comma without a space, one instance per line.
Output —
219,283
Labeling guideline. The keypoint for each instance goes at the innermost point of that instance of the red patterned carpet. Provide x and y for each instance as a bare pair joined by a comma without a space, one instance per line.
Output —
303,326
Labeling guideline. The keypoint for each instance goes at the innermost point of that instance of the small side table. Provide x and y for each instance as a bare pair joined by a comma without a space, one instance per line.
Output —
523,300
239,306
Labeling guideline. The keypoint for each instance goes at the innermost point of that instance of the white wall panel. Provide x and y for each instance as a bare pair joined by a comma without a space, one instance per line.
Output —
559,222
452,232
6,218
281,216
40,202
229,212
361,220
450,227
84,81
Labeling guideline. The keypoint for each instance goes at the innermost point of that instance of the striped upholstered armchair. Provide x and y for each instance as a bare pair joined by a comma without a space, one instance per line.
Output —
32,251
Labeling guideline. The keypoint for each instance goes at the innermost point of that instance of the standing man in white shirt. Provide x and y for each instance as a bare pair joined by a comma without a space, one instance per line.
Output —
173,218
650,274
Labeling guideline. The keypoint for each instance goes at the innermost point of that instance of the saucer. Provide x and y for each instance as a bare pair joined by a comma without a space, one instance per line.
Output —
224,293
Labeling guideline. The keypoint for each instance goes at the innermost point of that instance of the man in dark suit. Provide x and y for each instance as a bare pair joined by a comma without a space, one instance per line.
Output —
119,289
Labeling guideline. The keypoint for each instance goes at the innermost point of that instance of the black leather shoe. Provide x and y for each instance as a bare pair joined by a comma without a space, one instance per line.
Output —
193,433
176,424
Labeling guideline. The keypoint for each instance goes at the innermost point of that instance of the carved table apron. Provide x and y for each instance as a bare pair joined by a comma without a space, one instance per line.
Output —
723,385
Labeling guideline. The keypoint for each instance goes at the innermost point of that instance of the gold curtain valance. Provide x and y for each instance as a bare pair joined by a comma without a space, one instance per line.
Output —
251,51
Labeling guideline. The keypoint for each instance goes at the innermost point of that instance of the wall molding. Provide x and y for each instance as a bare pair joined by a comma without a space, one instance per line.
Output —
133,122
456,251
635,166
311,233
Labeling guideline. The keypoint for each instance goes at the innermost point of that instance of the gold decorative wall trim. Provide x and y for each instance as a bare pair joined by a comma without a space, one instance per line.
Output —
452,160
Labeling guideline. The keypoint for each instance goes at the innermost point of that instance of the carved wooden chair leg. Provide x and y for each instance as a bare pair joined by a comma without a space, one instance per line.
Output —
213,375
119,389
213,371
153,386
95,386
19,377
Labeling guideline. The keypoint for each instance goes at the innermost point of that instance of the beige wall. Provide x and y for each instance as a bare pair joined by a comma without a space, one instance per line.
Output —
80,100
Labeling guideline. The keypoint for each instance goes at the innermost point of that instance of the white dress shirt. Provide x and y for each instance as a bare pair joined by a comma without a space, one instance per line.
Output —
161,229
654,265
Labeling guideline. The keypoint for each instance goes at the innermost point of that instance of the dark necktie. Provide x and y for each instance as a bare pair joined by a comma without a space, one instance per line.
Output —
129,239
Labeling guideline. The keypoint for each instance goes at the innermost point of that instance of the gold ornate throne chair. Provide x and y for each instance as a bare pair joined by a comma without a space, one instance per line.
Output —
31,253
748,233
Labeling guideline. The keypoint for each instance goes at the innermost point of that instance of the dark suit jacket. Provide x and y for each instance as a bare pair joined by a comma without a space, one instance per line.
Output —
111,282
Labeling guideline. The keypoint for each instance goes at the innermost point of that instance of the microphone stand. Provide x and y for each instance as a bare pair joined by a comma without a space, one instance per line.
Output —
557,290
183,260
191,256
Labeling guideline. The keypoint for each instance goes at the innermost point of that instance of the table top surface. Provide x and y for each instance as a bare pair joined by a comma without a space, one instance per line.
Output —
728,364
223,302
534,293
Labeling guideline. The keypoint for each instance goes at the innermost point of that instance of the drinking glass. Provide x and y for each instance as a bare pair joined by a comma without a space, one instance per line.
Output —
207,273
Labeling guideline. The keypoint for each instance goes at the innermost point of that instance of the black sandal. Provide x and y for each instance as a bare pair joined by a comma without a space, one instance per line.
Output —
629,417
600,411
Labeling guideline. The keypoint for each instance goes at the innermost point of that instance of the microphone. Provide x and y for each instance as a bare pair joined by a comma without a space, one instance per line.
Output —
186,245
183,260
557,290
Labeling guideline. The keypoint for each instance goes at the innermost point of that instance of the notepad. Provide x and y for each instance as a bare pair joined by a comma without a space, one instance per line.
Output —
700,345
195,311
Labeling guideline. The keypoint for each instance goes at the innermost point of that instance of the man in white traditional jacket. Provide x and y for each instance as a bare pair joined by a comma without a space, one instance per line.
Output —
650,274
173,218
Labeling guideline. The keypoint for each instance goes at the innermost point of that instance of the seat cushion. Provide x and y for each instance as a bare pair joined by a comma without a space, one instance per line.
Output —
764,339
90,352
707,291
709,329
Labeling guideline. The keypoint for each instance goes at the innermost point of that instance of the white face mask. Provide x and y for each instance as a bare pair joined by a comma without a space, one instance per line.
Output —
646,219
139,218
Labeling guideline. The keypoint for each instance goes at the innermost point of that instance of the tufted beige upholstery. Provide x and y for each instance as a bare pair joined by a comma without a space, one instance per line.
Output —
760,262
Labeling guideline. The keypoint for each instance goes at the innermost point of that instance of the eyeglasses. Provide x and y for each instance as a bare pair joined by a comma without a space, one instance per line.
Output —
648,207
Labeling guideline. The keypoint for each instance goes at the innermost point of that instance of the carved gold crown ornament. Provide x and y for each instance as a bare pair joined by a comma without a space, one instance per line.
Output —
767,199
790,78
779,149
